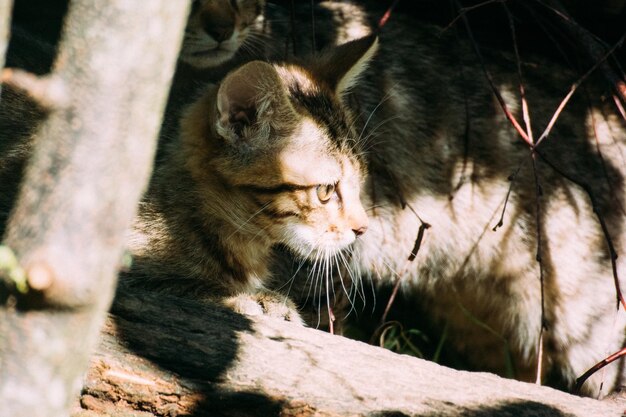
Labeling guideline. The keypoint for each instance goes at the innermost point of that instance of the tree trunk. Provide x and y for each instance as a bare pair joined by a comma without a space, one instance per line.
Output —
5,16
91,162
162,356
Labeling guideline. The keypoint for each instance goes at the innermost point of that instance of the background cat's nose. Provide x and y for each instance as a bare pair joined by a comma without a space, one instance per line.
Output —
220,33
358,232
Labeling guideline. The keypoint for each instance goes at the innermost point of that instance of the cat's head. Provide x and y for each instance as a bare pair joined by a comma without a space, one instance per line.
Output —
216,29
274,150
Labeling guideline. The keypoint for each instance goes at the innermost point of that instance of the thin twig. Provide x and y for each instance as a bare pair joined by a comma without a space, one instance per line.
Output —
467,127
511,179
538,194
525,112
573,89
605,229
539,259
595,368
416,247
619,106
495,90
540,21
383,20
464,10
593,47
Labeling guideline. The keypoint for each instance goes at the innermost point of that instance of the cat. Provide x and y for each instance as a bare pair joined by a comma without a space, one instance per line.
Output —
251,169
442,157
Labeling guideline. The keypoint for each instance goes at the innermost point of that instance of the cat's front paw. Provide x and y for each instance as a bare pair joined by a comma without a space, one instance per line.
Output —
264,303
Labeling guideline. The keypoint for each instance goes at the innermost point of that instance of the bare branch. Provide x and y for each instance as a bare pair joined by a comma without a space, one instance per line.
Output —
464,10
590,44
573,89
495,90
603,225
416,247
580,381
48,91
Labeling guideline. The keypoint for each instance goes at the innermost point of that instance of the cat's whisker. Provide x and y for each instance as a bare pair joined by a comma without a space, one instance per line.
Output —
366,144
255,45
343,286
249,219
312,276
291,280
358,288
386,97
369,278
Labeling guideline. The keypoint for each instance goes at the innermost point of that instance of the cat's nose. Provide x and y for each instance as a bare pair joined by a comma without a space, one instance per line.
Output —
358,232
220,33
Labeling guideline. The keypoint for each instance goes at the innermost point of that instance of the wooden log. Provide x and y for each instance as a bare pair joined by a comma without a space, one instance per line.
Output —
161,356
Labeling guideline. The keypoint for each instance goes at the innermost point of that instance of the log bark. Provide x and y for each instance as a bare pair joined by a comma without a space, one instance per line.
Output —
92,160
162,356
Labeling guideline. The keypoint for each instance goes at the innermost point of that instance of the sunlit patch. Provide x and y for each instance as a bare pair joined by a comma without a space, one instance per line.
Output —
293,75
355,27
306,159
510,97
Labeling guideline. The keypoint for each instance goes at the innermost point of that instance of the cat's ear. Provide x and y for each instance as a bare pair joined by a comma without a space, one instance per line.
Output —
237,97
342,66
245,100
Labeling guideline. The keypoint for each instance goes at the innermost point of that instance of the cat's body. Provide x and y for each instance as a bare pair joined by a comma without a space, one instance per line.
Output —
441,148
441,152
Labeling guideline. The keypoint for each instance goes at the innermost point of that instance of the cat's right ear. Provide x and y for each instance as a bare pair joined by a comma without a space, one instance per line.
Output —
244,98
340,67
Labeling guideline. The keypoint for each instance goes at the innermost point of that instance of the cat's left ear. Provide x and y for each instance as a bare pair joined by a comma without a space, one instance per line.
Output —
248,100
341,67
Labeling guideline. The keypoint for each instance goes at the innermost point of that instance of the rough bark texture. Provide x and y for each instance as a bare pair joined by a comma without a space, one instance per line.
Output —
167,357
91,162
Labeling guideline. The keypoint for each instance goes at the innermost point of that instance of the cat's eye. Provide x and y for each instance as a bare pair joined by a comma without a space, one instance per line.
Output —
325,192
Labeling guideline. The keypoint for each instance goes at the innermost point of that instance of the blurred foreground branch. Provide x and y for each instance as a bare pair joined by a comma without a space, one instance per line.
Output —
91,161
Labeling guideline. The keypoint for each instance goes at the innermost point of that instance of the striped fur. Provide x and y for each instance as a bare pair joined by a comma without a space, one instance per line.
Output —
217,29
246,174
